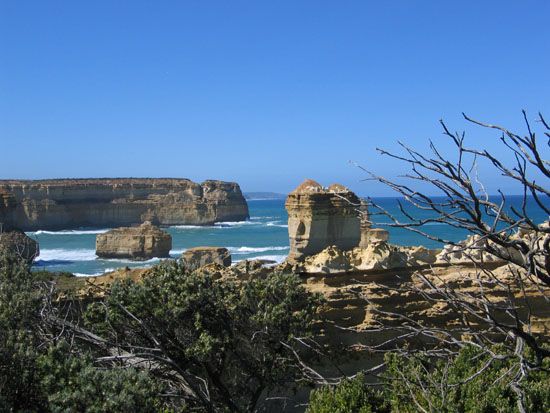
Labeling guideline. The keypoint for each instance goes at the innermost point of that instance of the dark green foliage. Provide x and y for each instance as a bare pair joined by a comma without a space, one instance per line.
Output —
38,376
413,384
231,335
74,384
350,396
19,306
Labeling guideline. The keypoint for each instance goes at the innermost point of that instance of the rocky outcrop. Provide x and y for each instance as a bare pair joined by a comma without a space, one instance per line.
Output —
372,236
198,257
321,217
135,243
62,204
376,256
17,243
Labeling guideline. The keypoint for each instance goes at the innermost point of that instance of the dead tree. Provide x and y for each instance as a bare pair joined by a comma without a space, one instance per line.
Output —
505,232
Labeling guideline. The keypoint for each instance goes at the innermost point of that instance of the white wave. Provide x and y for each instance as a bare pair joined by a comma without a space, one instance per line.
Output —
250,250
69,232
126,261
80,274
188,226
276,224
277,258
177,252
60,254
235,223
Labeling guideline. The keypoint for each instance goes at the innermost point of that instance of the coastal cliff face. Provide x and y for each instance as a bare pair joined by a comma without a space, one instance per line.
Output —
64,204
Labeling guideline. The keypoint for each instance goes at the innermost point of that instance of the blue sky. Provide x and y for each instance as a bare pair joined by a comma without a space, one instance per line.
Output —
265,93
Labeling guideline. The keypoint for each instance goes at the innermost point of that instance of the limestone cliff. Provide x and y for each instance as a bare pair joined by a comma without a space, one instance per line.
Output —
63,203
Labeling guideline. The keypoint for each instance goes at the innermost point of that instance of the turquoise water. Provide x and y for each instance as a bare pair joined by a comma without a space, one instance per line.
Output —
264,236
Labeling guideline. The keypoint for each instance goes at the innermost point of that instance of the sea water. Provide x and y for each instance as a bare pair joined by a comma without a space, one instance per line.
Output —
263,236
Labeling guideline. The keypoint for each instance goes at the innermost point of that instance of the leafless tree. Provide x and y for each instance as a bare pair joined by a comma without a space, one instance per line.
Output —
504,235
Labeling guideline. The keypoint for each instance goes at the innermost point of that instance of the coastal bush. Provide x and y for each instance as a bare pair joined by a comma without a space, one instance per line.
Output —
38,374
223,344
72,383
19,308
471,382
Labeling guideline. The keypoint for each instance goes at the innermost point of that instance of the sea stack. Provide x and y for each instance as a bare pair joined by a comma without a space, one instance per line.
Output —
135,243
321,217
72,203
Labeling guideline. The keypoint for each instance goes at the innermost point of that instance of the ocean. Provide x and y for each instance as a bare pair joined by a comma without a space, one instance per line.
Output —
264,236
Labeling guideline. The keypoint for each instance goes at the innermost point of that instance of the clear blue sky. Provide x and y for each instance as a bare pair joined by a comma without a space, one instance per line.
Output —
265,93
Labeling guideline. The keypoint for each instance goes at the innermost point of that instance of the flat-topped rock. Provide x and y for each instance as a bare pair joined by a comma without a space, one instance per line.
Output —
135,243
72,203
321,217
198,257
19,244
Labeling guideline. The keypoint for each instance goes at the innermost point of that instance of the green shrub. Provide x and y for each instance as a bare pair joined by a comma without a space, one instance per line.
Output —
413,384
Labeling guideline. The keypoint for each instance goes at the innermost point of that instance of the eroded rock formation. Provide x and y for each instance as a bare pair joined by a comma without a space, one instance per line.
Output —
135,243
320,217
17,243
198,257
63,203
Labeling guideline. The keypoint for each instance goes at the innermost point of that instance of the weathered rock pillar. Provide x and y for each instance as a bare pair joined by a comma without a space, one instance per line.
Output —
319,217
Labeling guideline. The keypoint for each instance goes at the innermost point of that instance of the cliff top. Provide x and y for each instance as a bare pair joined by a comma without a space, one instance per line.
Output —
102,181
309,186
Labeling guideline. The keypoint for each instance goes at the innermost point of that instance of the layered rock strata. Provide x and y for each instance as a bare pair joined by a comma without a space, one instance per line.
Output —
63,203
198,257
320,217
135,243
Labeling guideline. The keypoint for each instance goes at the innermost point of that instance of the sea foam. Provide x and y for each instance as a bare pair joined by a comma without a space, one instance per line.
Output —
251,250
60,254
69,232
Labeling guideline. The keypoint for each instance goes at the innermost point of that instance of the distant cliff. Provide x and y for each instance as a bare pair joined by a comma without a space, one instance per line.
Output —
72,203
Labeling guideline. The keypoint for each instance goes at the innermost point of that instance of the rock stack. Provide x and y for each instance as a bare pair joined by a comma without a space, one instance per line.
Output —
135,243
320,217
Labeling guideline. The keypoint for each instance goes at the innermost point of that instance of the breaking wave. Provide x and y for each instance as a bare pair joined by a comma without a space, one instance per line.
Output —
276,224
235,223
251,250
60,254
69,232
277,258
79,274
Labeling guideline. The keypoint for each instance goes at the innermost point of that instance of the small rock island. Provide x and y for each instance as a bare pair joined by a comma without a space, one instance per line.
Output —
135,243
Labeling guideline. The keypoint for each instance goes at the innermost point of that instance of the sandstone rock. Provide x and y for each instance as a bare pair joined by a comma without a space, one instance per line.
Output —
250,269
373,235
376,256
331,260
136,243
471,250
198,257
17,243
64,203
380,255
318,218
